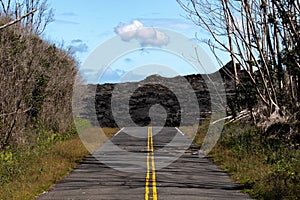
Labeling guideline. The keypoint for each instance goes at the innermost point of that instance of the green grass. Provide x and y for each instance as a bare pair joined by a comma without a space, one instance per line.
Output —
28,170
266,169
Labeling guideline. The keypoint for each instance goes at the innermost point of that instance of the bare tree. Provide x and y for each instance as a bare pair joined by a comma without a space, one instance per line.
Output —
263,38
17,20
36,78
21,11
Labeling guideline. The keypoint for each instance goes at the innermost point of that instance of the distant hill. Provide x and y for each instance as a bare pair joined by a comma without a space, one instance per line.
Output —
147,93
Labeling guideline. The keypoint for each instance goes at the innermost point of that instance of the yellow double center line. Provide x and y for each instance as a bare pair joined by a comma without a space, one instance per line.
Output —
150,159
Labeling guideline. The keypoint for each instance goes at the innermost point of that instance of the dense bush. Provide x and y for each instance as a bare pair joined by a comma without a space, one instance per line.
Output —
36,81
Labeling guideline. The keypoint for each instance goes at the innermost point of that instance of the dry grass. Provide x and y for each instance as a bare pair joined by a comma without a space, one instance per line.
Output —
93,138
264,169
196,133
243,167
109,132
41,171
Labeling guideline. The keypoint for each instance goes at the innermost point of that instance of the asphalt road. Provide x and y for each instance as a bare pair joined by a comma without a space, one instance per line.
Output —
146,163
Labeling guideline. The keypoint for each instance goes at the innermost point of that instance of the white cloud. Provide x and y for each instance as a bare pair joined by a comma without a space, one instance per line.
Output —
147,36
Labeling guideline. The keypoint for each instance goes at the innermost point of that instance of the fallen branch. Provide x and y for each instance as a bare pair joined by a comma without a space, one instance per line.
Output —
228,117
241,115
18,19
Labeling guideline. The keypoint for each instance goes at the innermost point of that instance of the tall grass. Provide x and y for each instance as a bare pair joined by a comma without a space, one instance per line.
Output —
266,169
42,160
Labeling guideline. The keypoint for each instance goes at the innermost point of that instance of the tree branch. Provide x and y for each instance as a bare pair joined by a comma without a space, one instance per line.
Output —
18,19
16,112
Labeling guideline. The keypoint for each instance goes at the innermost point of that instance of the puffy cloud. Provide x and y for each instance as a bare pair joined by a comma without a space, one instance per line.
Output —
128,31
147,36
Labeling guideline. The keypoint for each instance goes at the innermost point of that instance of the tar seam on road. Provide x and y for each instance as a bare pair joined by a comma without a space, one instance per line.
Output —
150,158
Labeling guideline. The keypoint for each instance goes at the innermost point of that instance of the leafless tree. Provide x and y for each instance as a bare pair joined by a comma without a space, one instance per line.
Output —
34,14
36,81
17,20
263,38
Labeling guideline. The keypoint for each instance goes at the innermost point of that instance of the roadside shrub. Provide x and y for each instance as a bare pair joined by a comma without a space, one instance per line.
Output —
266,169
36,82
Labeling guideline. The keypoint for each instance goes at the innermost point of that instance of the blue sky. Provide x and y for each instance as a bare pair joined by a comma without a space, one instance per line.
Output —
84,25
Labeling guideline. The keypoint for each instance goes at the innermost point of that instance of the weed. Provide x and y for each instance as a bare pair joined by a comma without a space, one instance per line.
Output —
29,169
267,170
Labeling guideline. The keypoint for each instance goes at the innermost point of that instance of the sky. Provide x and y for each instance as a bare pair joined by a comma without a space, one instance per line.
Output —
96,30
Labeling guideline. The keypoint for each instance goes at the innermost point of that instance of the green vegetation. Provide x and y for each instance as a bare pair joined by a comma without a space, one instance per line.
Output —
46,158
38,141
36,83
267,167
260,145
29,170
38,144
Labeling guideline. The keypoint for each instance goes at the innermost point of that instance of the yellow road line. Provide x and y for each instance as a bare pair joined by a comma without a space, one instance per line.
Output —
150,149
154,191
148,169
